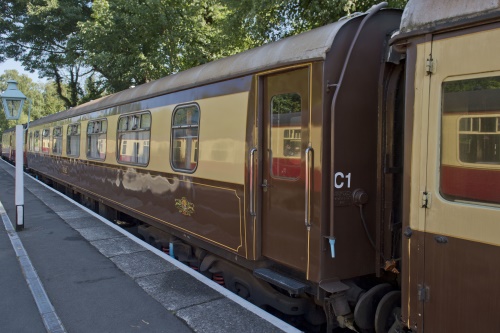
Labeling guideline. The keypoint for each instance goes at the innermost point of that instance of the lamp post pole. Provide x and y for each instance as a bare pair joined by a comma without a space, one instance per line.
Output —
13,100
19,179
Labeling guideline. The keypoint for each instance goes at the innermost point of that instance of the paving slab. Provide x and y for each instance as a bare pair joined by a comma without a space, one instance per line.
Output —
117,246
99,233
174,290
213,317
83,222
142,264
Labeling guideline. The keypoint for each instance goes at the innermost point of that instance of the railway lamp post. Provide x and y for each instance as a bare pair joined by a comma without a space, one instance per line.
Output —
13,100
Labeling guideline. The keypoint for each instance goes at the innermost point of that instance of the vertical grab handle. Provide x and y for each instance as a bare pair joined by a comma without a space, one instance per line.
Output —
252,182
308,153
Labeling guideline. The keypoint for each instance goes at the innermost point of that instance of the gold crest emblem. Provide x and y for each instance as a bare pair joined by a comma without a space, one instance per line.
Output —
184,206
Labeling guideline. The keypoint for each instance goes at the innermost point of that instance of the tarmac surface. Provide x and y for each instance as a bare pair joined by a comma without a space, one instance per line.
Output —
70,270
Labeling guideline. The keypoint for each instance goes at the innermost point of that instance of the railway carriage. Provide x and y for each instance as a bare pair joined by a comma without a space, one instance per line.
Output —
233,158
9,144
451,231
348,175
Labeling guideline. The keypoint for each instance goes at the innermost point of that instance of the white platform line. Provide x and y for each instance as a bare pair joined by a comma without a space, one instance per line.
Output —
49,316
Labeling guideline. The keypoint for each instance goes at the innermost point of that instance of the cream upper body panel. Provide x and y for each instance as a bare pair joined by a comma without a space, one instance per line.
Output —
222,134
419,141
477,58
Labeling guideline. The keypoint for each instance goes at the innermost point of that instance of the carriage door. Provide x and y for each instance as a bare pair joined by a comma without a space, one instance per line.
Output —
285,107
461,200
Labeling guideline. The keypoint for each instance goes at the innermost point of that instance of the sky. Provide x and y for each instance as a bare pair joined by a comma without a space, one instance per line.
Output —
12,64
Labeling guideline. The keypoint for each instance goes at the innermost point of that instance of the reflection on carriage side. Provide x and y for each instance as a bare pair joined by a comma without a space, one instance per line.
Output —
470,168
286,115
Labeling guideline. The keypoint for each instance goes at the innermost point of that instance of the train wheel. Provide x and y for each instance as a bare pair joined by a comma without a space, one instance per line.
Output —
364,313
388,310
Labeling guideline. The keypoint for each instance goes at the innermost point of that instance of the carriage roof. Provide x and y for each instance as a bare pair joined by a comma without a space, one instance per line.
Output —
429,15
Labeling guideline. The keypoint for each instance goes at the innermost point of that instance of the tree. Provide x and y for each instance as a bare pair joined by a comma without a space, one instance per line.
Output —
115,44
43,35
269,20
133,42
44,98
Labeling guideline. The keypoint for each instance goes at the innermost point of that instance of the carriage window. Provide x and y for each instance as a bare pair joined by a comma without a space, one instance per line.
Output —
479,140
36,142
96,139
470,151
46,141
57,140
73,140
134,132
185,133
30,142
286,115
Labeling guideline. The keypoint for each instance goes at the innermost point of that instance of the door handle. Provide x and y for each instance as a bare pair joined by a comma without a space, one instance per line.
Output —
252,182
308,154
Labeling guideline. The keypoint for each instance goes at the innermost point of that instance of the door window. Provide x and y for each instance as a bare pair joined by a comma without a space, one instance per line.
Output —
286,115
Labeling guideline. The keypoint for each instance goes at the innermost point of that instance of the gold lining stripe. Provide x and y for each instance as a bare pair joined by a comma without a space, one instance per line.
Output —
311,183
163,221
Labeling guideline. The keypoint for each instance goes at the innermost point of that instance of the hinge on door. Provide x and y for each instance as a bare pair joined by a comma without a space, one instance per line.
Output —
423,293
426,199
430,65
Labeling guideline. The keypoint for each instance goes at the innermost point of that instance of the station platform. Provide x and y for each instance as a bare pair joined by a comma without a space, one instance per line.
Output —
70,270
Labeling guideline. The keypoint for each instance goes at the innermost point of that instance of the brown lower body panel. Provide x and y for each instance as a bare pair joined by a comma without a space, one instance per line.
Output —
211,211
458,281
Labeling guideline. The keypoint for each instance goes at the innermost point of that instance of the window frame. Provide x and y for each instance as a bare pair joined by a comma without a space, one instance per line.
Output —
44,131
173,128
69,136
59,138
101,120
134,129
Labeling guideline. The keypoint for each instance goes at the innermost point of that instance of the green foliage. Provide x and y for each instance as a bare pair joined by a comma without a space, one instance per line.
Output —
44,98
286,103
91,48
487,83
263,21
133,42
43,35
95,88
